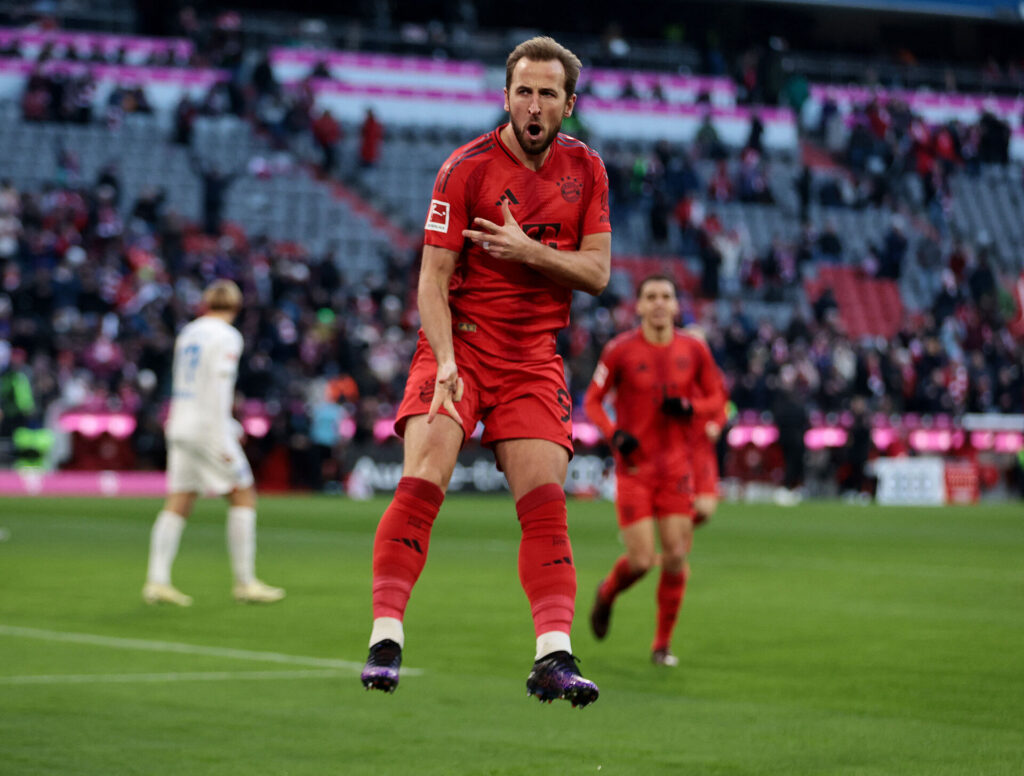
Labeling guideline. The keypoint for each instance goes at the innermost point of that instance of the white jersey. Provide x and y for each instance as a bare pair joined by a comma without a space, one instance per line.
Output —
206,355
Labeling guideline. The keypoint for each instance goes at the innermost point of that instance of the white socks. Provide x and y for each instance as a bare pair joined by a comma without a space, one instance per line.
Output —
163,546
241,531
387,628
552,641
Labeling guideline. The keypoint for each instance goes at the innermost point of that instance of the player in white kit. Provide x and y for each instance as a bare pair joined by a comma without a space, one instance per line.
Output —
204,454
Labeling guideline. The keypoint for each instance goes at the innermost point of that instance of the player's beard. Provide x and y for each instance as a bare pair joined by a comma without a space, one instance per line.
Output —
531,145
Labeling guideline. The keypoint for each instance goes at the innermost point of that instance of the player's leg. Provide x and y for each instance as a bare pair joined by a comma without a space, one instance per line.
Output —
183,484
241,539
676,532
639,558
403,537
535,469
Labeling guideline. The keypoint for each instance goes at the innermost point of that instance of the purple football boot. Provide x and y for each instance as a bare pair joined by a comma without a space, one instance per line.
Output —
381,670
557,676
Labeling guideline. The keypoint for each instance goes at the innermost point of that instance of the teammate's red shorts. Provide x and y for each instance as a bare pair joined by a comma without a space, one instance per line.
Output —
705,469
514,399
639,496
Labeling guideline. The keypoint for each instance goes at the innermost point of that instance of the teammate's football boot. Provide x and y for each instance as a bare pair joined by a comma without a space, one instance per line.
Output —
257,592
557,676
159,593
664,657
381,669
600,616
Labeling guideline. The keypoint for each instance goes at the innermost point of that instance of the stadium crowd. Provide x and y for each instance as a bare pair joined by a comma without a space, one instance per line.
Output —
90,300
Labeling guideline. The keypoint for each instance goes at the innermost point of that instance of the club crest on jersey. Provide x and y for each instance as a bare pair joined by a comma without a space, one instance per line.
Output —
426,391
571,188
437,218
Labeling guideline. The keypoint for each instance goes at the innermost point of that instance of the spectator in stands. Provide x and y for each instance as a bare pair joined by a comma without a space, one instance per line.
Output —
327,134
720,188
371,135
830,246
708,143
893,250
185,114
215,182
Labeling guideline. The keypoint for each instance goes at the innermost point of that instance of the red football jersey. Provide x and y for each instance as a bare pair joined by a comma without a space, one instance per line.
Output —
505,307
641,374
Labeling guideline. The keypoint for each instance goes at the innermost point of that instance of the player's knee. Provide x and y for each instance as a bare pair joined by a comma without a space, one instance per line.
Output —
673,559
642,561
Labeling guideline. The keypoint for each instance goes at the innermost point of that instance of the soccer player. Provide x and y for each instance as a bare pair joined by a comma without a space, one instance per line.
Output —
518,219
664,381
204,453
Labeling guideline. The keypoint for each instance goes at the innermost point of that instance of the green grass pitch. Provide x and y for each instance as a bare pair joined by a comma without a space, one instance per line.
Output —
823,639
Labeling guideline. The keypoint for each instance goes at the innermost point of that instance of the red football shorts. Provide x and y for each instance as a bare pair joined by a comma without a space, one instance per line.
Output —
639,496
705,469
513,399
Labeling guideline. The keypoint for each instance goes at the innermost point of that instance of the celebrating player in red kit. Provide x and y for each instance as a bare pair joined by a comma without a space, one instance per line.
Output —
664,381
518,219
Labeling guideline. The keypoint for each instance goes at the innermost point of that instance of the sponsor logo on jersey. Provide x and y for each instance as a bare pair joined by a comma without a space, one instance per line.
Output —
507,196
437,218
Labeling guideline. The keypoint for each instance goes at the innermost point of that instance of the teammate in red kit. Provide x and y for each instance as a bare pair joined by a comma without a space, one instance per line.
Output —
517,220
664,381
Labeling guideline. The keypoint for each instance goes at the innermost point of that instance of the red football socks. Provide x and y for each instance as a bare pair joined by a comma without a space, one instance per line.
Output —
546,570
620,579
400,545
670,597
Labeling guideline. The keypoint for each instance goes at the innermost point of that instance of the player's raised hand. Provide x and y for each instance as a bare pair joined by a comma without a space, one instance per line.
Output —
447,390
507,241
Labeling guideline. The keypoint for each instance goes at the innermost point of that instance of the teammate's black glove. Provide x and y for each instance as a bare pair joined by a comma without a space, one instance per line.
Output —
625,442
677,407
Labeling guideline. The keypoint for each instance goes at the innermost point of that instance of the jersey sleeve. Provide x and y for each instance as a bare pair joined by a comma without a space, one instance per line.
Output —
448,214
597,218
600,386
710,404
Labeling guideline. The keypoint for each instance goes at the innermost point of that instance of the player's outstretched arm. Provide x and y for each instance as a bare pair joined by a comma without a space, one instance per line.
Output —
436,318
587,269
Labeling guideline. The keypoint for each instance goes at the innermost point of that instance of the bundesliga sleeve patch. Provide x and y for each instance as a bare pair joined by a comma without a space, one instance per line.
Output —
437,218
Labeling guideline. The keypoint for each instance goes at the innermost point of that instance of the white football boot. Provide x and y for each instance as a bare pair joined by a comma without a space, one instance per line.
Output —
257,592
159,593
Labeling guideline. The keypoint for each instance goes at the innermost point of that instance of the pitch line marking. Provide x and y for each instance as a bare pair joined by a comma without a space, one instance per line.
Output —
177,676
148,645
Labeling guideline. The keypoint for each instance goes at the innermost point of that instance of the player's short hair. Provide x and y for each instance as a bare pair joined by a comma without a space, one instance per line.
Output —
545,49
222,296
656,278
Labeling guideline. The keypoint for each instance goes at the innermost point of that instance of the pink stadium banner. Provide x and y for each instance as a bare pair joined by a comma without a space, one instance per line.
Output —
90,41
82,483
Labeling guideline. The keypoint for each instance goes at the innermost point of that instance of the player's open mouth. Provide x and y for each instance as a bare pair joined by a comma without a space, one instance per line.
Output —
534,130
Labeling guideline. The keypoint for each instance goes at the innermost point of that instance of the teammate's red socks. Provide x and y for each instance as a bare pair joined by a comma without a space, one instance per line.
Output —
400,545
620,579
671,588
546,569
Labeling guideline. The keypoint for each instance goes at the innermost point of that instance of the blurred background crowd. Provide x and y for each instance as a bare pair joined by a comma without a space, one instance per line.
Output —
781,255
